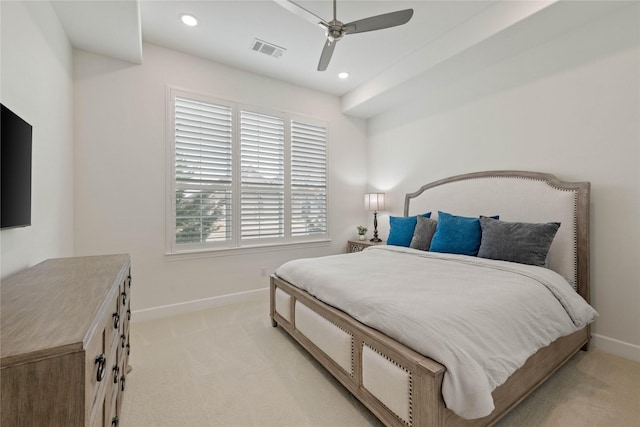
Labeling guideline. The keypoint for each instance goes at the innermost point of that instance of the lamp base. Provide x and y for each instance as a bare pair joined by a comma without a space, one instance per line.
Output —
375,228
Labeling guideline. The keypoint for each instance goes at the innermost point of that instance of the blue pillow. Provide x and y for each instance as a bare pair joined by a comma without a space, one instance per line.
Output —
401,229
457,235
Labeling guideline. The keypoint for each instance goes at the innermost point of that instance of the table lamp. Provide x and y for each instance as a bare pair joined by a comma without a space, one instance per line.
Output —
374,202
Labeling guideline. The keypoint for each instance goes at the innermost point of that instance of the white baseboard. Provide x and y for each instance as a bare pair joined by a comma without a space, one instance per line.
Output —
201,304
617,347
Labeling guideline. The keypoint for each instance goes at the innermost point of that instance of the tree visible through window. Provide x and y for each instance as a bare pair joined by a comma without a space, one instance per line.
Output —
200,217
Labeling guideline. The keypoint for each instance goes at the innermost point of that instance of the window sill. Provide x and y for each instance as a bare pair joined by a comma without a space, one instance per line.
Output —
212,252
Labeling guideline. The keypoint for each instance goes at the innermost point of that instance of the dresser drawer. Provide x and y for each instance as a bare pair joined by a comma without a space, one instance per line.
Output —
112,419
122,355
97,364
118,316
98,415
124,309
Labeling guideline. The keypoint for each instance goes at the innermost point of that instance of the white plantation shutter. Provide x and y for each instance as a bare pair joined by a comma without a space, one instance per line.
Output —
308,179
243,176
203,171
262,180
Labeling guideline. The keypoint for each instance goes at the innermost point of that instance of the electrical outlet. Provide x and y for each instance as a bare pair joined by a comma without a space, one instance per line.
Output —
263,271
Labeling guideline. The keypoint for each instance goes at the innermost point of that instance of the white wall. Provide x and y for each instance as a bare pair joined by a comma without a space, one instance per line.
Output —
120,121
36,84
570,107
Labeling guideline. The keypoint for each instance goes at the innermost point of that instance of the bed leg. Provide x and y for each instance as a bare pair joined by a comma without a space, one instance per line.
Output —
274,323
585,347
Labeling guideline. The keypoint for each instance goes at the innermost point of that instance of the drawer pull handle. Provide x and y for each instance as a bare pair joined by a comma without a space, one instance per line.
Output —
128,314
129,279
100,361
122,381
116,320
124,340
115,421
124,298
116,371
128,349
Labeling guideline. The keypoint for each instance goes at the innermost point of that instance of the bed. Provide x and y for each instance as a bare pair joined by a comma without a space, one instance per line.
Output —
384,366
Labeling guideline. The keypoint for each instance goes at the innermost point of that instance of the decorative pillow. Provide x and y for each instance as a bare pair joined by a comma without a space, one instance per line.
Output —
457,234
401,229
422,235
522,242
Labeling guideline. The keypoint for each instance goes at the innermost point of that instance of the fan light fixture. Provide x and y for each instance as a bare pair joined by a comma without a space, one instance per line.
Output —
343,75
189,20
335,30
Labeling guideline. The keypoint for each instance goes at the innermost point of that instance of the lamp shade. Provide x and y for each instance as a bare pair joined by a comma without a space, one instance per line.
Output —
374,201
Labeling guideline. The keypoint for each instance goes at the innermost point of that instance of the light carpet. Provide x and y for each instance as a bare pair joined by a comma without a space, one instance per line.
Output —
227,366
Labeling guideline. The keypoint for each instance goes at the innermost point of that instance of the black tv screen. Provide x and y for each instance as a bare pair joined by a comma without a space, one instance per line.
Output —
15,172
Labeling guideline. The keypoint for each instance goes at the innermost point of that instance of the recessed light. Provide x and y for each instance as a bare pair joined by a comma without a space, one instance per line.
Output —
189,20
343,75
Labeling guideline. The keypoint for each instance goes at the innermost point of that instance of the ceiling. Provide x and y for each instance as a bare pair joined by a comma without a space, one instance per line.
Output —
441,41
227,28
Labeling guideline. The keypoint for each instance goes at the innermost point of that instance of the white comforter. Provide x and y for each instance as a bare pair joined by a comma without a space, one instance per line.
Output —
479,318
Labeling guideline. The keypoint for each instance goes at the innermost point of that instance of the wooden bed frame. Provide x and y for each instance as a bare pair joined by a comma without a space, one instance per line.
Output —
332,337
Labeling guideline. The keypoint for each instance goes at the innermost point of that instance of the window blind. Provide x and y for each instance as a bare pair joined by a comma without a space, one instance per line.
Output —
262,143
203,171
243,175
308,179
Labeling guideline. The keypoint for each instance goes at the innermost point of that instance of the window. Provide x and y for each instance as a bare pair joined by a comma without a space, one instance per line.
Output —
242,176
308,179
262,175
203,172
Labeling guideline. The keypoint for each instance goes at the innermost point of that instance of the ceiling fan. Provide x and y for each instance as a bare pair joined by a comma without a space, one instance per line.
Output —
335,30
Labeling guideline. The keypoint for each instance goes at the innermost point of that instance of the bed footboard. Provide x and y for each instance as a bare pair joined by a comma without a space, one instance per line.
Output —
398,385
387,377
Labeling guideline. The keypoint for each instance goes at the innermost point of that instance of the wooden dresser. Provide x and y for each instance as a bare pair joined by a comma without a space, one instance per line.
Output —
65,342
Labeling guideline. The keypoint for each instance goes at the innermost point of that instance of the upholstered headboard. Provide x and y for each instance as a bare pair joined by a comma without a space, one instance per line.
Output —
522,197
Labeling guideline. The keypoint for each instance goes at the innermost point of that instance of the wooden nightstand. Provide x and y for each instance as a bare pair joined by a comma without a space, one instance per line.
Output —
359,245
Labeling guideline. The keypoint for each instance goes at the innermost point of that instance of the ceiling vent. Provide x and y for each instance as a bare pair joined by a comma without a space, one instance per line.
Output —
267,48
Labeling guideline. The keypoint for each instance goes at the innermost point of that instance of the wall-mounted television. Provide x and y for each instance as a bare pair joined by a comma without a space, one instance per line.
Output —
15,170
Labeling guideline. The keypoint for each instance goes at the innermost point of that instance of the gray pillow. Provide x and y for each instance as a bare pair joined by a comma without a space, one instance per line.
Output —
423,233
522,242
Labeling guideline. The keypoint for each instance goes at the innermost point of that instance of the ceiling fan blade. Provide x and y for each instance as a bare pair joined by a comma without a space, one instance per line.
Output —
327,53
303,13
379,22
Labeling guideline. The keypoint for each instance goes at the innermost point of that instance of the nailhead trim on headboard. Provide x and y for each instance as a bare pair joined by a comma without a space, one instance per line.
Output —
576,266
574,233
